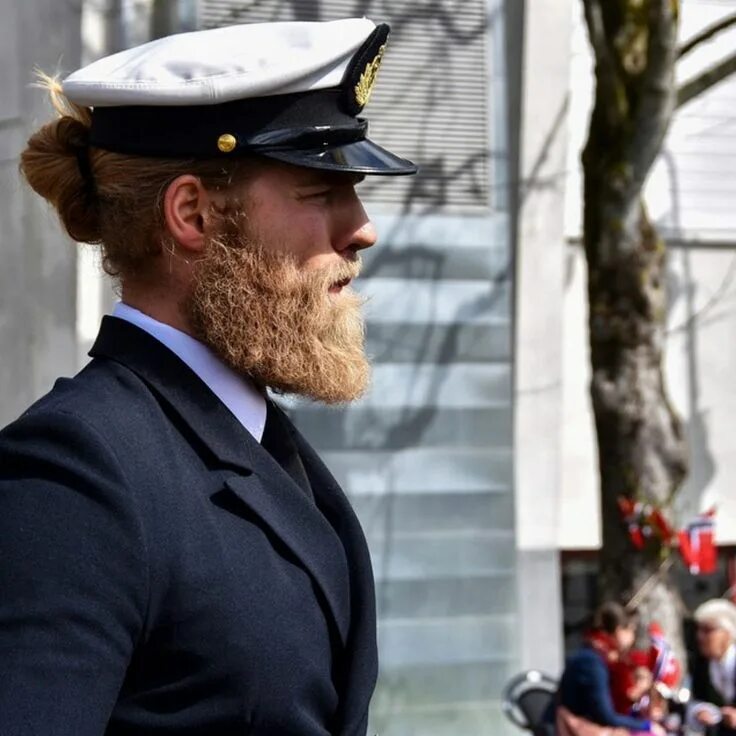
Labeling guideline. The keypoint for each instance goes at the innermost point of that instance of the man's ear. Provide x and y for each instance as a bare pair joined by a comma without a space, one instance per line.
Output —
186,206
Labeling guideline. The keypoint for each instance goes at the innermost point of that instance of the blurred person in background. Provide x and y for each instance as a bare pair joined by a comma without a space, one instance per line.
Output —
713,669
584,702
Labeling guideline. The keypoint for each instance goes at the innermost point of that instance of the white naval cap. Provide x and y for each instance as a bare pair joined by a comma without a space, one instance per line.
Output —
223,64
290,90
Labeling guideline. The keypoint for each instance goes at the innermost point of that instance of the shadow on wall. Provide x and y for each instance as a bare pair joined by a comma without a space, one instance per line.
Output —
681,286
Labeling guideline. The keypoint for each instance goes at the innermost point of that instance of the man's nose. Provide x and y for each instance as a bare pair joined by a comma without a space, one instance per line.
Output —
356,229
365,236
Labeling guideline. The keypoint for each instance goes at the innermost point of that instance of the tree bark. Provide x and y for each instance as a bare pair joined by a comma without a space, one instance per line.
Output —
164,18
641,445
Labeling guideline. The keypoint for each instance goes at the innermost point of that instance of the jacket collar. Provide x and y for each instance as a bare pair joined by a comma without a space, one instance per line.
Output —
174,383
239,394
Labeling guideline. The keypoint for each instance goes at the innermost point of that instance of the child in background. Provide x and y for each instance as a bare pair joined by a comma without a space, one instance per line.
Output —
642,680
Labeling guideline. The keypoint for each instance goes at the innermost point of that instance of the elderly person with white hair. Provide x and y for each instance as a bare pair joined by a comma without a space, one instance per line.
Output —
713,671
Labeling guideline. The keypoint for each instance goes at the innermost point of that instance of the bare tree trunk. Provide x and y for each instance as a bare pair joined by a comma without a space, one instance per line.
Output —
641,447
164,18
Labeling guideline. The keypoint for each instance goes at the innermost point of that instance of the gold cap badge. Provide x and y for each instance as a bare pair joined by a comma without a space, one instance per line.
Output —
227,142
364,87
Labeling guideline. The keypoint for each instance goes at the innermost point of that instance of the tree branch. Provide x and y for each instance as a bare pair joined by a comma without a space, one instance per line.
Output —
656,91
597,31
705,34
606,76
706,80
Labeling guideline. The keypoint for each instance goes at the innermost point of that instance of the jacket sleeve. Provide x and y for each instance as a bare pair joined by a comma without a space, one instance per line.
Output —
73,577
600,703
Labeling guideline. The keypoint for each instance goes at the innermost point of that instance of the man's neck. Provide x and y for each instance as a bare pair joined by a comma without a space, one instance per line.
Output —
157,305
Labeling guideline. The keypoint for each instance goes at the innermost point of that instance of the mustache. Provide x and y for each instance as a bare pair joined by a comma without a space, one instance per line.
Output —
342,271
244,249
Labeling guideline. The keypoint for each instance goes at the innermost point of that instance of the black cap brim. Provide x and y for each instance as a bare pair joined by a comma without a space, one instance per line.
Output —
359,157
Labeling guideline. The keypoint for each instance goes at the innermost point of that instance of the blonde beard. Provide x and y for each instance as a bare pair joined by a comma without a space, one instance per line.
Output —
269,319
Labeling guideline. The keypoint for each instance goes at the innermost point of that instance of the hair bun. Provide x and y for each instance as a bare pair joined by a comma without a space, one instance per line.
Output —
56,163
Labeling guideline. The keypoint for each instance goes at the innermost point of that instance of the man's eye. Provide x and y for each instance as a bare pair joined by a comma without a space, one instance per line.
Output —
319,193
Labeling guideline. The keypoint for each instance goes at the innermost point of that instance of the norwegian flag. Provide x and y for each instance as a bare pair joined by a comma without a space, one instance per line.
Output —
662,662
697,544
659,523
631,512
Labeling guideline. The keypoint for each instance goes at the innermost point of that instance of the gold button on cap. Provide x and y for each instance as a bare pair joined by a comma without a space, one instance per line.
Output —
227,142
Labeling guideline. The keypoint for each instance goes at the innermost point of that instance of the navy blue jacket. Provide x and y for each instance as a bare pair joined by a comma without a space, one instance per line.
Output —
585,690
161,574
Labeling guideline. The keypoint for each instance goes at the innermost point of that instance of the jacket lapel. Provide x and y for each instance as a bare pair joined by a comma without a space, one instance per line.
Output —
261,484
210,423
361,667
297,522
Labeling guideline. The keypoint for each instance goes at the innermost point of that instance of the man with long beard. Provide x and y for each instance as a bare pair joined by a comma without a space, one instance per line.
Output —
174,557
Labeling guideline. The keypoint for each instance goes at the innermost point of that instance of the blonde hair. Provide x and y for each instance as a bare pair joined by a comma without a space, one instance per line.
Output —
109,198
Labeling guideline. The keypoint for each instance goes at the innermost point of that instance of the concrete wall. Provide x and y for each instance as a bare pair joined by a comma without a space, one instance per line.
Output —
540,256
37,277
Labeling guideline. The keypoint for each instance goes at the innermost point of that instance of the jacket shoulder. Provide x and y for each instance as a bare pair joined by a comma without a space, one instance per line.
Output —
100,386
69,428
110,399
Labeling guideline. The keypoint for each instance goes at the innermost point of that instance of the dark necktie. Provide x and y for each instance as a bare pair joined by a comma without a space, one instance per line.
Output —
278,441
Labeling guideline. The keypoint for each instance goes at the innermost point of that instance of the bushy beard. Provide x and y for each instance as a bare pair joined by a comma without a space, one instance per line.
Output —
270,319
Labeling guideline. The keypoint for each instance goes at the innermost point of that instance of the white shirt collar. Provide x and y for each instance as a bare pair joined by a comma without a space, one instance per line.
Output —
237,392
